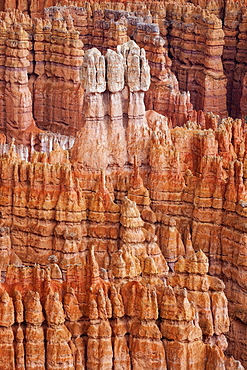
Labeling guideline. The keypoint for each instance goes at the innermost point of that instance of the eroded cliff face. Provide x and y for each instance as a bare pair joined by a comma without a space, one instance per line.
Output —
122,186
196,56
134,321
91,277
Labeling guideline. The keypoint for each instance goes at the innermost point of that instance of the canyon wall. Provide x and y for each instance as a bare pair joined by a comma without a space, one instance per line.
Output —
84,280
57,93
123,185
187,77
91,322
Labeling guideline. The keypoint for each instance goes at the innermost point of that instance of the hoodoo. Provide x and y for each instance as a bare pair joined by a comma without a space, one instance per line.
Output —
123,185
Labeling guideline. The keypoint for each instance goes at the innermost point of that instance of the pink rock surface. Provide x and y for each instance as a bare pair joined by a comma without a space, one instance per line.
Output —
122,197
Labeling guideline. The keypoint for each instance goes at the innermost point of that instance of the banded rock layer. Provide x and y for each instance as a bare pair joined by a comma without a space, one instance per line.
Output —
54,57
122,199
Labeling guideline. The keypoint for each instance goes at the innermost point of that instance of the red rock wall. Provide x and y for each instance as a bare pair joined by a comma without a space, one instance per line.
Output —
57,91
48,209
146,287
234,57
16,101
106,28
201,76
52,210
200,45
90,322
54,58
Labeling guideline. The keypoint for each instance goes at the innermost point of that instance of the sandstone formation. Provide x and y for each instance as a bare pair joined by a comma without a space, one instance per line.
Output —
16,102
56,221
54,58
90,318
123,185
57,90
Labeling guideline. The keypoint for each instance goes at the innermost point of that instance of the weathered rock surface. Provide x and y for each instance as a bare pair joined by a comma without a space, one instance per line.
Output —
57,92
121,277
122,198
114,88
93,322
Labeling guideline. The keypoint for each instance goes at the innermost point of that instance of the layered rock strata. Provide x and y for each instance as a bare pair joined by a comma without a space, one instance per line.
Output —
133,227
51,209
201,70
113,108
83,320
16,102
106,28
234,57
57,91
54,57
